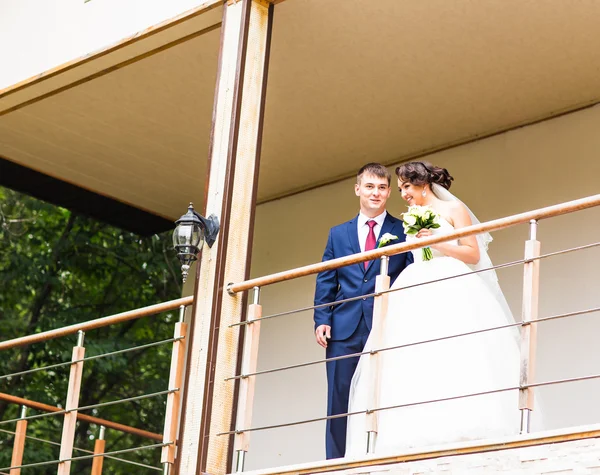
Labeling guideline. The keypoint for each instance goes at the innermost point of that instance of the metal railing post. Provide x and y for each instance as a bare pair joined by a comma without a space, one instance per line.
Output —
531,280
19,443
247,383
99,448
380,304
71,405
174,398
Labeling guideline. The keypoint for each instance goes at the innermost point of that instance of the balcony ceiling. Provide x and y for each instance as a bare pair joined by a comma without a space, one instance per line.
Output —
347,84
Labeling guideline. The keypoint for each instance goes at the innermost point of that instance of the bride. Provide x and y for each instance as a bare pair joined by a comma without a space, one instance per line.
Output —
457,366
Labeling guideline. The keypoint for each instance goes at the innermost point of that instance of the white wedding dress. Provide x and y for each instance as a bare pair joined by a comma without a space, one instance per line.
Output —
468,364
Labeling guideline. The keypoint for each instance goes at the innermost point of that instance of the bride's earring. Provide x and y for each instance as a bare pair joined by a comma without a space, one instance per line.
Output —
423,193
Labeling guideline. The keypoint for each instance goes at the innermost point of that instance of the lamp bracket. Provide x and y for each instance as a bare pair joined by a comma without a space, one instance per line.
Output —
211,227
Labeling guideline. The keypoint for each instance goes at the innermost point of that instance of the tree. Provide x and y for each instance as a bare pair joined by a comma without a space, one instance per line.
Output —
58,268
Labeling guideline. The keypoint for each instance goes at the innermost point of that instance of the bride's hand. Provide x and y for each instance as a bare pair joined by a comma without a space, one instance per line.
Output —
423,233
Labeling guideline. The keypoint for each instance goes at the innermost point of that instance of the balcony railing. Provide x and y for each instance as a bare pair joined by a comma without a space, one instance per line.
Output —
246,379
72,412
528,325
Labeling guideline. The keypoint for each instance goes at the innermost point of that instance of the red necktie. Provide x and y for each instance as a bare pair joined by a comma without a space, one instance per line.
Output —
371,240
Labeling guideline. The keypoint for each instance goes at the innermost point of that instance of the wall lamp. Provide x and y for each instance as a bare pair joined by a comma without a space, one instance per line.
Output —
191,231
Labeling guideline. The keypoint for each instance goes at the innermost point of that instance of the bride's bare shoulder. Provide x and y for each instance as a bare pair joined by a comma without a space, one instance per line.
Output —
459,213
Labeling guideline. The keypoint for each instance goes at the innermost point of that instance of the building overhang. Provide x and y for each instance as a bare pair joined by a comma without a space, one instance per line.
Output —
128,127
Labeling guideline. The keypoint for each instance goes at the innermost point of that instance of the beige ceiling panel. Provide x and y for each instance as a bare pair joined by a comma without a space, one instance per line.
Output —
402,77
136,124
349,82
159,206
204,17
75,168
127,126
103,140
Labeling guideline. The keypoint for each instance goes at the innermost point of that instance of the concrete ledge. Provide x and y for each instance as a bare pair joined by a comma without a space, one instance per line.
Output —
571,450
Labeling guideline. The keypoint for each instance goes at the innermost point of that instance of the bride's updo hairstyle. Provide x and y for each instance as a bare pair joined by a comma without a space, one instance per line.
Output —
423,173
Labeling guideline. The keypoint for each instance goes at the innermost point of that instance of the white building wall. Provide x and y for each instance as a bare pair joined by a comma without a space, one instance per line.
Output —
531,167
38,35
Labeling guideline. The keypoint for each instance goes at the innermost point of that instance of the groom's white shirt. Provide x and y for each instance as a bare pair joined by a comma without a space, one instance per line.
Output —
363,227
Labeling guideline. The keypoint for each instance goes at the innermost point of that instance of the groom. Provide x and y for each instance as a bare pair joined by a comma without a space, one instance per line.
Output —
343,329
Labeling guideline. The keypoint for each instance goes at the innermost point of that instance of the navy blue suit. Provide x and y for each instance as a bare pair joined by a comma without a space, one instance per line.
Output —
350,321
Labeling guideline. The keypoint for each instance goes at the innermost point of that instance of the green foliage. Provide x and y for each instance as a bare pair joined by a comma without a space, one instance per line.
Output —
56,269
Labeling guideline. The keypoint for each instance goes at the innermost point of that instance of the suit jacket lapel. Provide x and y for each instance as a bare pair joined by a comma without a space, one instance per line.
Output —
353,238
388,225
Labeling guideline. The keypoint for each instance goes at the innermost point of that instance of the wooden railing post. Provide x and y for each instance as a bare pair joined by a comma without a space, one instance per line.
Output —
531,280
99,447
19,443
247,383
174,398
71,405
380,305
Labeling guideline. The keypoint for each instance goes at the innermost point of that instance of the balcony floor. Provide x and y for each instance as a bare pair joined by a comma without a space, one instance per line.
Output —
575,450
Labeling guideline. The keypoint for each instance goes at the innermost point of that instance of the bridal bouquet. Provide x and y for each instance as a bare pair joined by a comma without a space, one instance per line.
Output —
417,218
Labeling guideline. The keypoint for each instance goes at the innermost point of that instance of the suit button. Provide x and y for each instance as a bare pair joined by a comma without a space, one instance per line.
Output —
366,280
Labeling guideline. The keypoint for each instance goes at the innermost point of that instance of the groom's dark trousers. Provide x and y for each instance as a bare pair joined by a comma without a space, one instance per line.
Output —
350,321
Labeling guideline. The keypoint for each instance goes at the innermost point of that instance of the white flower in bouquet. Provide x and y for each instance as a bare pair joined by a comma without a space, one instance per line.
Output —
420,217
409,219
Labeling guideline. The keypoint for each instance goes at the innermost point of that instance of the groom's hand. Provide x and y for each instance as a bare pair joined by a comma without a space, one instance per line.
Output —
322,334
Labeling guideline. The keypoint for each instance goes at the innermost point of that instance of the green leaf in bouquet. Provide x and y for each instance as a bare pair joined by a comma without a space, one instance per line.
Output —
435,226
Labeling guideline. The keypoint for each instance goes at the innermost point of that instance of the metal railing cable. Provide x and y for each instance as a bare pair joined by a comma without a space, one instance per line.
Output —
565,315
57,444
483,393
562,381
80,416
92,406
368,411
375,350
565,251
405,345
87,457
90,358
374,294
411,404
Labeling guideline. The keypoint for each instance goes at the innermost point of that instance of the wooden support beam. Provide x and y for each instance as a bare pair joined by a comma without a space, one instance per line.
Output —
209,400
